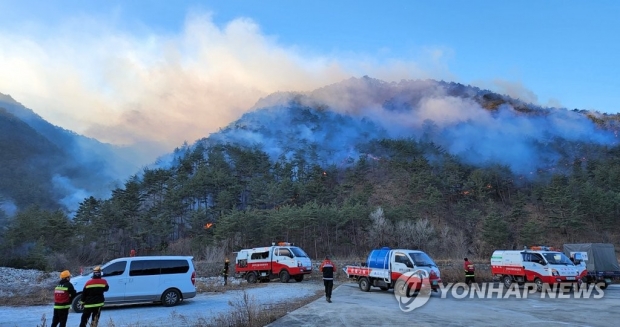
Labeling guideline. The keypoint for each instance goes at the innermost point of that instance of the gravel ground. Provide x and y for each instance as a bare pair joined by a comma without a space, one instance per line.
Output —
23,281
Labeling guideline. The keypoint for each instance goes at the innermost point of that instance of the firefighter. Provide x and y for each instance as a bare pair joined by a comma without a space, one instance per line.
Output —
93,298
226,263
469,272
327,268
63,295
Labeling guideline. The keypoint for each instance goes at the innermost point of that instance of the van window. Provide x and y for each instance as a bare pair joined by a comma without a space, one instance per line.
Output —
259,255
299,253
144,268
115,269
284,253
174,267
156,267
558,259
533,257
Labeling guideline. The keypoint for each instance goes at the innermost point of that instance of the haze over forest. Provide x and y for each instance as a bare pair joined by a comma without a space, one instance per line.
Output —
449,168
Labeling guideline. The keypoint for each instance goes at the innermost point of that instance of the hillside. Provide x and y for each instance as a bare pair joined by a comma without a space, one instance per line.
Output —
67,167
447,168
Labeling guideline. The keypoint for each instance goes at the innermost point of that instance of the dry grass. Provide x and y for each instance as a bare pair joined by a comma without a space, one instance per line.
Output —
247,312
36,296
216,286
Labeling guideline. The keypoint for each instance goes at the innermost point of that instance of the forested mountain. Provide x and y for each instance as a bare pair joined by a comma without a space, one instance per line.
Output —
51,167
451,169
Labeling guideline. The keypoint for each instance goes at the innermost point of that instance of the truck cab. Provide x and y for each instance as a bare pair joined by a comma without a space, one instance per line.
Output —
283,261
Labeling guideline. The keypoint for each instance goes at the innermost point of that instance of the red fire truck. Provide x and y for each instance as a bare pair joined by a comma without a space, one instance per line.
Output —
282,261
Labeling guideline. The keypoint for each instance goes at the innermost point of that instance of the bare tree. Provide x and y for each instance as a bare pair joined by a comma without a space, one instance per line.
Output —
382,230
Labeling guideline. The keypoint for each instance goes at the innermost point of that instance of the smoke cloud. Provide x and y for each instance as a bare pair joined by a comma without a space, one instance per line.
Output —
159,90
359,110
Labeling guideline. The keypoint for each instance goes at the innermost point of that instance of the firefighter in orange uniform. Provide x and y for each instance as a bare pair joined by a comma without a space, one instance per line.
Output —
328,268
470,272
63,295
93,298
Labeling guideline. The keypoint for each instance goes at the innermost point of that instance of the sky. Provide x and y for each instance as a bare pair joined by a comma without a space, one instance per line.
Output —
166,72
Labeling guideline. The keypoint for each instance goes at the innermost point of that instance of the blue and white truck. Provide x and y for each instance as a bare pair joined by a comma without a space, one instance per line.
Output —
385,267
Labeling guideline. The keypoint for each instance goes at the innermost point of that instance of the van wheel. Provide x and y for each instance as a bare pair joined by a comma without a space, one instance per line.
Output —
76,305
299,278
170,297
539,284
251,278
507,281
284,276
364,284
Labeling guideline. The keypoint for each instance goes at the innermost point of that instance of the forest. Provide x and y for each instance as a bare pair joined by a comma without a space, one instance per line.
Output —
400,193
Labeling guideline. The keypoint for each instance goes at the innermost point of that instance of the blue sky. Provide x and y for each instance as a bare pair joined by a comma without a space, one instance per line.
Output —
97,67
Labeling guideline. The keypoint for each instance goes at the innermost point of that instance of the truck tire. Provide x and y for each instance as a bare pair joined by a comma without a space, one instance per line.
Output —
284,276
251,278
401,288
539,284
364,284
299,278
507,281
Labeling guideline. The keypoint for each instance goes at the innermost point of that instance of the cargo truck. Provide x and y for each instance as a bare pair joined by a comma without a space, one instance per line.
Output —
598,261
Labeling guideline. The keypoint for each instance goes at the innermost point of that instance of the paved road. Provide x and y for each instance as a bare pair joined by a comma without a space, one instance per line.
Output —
352,307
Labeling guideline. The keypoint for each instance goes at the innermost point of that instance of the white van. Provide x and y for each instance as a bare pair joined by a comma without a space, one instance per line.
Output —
541,265
165,279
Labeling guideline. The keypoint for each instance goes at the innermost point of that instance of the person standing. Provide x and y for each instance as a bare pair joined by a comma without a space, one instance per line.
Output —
63,295
327,268
93,298
470,272
226,263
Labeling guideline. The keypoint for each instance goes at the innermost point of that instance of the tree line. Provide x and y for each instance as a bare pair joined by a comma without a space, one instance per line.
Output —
228,197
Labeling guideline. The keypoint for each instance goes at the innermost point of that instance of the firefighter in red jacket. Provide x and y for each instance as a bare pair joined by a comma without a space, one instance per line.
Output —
93,298
470,272
63,295
327,268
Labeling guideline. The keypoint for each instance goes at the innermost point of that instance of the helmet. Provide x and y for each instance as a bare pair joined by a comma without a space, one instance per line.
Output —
65,274
97,271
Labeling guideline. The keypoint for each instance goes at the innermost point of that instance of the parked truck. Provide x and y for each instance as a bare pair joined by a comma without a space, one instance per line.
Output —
283,261
540,264
384,267
597,261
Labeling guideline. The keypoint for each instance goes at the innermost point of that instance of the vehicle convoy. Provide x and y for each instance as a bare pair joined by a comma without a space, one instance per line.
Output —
165,279
283,261
598,260
539,264
385,267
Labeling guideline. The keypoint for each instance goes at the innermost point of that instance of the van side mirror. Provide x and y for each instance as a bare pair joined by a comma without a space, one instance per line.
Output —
409,264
